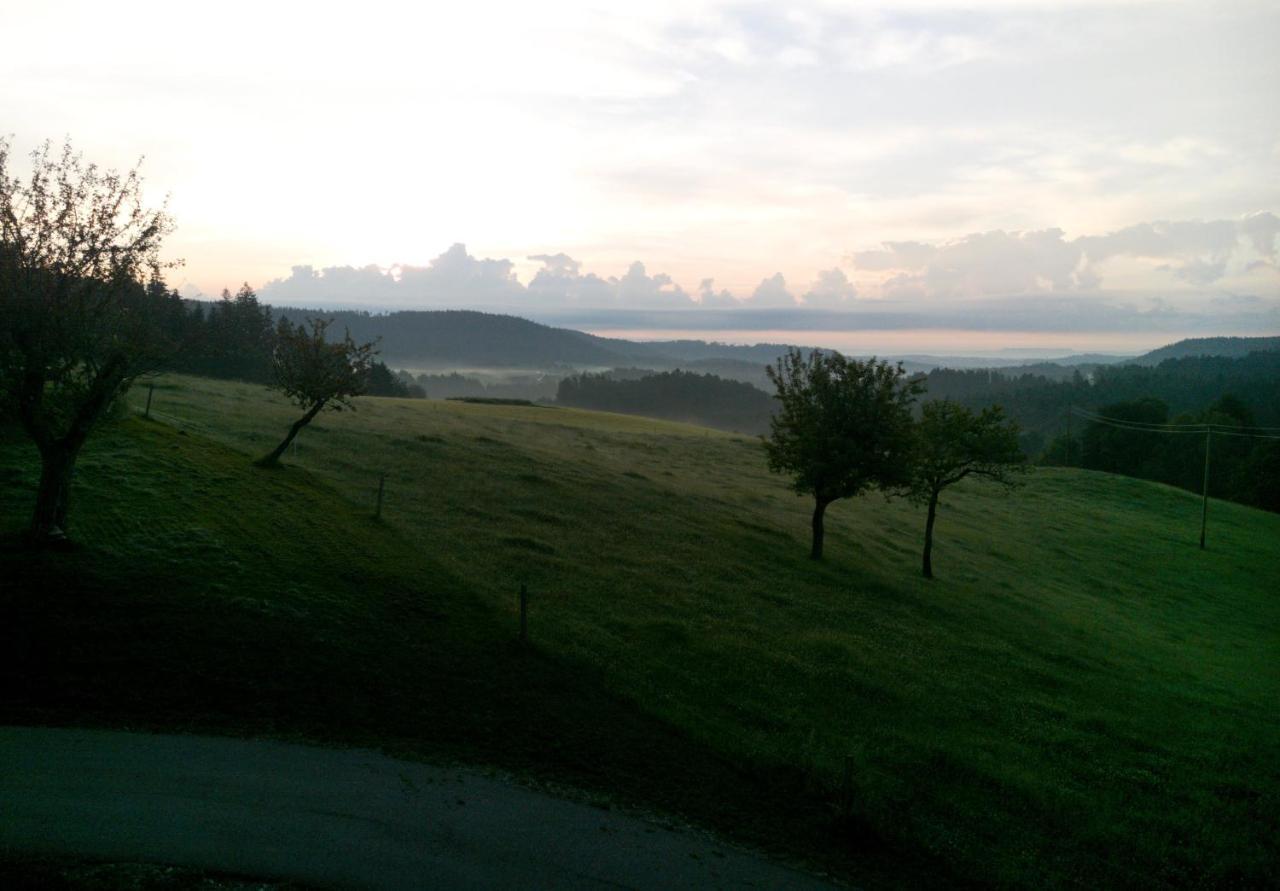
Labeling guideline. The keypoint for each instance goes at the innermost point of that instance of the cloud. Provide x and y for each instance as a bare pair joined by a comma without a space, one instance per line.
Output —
636,288
1196,256
994,262
997,262
558,264
709,297
456,274
560,281
1262,230
772,291
454,277
831,289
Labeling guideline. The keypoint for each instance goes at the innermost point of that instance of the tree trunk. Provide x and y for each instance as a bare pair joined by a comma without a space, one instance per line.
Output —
273,459
49,521
928,534
819,508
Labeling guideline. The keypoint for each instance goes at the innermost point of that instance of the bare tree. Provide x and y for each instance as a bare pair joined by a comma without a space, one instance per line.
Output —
78,321
316,373
952,443
842,427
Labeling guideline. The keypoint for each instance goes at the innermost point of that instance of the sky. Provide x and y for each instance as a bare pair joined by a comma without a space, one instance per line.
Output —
964,176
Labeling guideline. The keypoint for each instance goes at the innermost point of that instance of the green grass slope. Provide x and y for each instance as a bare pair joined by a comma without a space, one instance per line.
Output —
1081,697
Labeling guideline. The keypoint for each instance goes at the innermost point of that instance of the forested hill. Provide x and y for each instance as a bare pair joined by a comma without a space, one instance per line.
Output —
1209,346
466,337
471,338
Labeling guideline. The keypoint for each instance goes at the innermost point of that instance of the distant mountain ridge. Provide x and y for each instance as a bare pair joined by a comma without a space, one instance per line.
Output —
1209,346
472,338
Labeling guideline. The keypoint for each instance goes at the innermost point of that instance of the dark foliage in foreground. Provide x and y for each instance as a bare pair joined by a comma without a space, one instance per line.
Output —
843,427
77,323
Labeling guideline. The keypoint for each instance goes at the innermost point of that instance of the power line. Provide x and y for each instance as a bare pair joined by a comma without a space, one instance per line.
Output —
1208,429
1198,424
1203,427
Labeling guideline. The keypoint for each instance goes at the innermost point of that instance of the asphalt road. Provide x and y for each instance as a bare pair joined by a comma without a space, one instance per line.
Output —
336,818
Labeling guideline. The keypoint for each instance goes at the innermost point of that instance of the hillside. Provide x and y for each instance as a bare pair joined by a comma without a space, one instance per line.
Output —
1234,347
1081,698
464,337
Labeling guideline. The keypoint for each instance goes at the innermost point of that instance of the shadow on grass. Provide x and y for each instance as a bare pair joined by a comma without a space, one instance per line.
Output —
90,638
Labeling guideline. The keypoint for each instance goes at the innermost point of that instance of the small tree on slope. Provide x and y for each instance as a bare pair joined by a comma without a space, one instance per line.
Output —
842,427
316,374
951,443
77,322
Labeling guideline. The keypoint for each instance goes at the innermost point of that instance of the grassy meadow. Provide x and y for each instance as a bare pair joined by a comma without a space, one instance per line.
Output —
1081,697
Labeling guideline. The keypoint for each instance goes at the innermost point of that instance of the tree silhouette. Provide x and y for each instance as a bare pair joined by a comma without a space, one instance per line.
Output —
843,426
951,443
82,308
316,374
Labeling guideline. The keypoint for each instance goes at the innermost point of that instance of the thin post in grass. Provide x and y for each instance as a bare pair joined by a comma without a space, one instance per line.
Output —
151,389
382,484
524,613
1204,498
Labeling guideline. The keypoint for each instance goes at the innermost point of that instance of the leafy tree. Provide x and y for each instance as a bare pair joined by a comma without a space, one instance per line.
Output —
316,373
384,382
951,443
842,427
78,323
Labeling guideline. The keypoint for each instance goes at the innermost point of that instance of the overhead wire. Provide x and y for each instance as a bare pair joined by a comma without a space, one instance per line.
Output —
1253,432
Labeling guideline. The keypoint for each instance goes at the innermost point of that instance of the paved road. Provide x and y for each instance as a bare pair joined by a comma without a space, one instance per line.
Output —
338,818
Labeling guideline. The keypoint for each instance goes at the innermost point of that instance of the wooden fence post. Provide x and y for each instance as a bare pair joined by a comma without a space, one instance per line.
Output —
151,389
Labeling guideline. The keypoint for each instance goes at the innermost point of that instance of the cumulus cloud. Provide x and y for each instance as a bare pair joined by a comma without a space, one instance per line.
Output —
832,288
1223,255
1262,230
560,281
637,288
454,277
709,297
772,291
1199,252
995,262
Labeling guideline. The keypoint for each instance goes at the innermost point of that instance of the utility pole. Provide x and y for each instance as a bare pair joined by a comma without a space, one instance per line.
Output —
1204,502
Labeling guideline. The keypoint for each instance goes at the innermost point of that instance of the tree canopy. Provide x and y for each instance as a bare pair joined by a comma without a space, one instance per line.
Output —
82,305
842,426
952,443
316,373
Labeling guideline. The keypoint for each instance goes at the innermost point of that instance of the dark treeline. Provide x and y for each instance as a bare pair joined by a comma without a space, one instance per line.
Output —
674,396
1237,392
1243,468
236,336
1190,384
530,387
